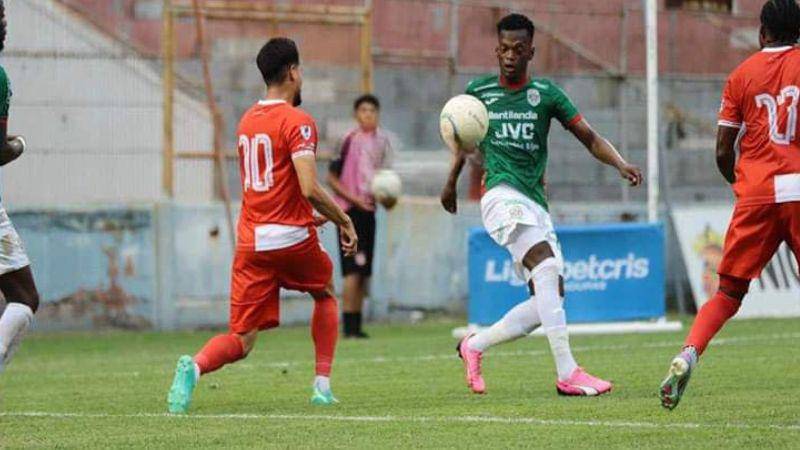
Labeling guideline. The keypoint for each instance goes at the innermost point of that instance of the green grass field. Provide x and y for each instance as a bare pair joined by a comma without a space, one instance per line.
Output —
404,388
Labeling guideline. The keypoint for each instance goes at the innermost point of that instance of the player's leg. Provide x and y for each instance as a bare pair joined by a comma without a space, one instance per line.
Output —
519,321
254,307
22,301
544,263
309,269
752,239
325,333
19,290
710,319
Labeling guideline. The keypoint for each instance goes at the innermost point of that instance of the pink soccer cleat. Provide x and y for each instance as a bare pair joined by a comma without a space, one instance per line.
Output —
472,366
582,384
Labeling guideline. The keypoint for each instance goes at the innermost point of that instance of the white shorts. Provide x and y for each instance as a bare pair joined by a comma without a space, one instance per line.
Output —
12,252
517,223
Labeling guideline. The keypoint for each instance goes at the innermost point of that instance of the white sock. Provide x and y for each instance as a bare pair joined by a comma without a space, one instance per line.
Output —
14,322
322,383
554,320
196,372
518,322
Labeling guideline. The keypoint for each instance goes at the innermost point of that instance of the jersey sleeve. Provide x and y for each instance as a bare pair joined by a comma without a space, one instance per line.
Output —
5,95
302,136
730,109
563,109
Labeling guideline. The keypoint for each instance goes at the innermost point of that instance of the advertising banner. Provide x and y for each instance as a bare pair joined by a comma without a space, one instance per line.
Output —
612,273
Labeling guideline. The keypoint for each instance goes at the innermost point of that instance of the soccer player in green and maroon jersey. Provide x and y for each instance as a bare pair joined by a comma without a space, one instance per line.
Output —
16,278
514,207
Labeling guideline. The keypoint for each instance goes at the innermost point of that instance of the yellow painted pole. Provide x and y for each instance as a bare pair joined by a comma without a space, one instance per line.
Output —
168,86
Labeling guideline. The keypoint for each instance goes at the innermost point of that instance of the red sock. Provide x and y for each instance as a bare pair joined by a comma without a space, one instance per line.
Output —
218,351
711,317
325,332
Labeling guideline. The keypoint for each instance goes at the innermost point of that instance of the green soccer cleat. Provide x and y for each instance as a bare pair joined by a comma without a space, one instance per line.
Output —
180,394
680,371
323,398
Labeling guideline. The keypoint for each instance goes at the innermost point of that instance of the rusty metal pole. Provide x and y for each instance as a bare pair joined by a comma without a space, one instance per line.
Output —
366,48
168,86
216,117
453,48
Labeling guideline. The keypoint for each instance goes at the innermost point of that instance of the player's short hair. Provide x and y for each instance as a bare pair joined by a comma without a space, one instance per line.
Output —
781,18
2,26
275,59
513,22
367,98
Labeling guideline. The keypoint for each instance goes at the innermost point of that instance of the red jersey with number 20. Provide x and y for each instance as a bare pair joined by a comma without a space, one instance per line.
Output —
271,134
761,98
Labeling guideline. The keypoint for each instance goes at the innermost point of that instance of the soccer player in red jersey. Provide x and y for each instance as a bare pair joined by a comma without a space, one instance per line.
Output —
759,116
277,245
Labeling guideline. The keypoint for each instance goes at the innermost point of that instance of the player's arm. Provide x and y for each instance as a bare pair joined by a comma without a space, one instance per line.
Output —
306,168
449,194
726,151
11,147
730,122
458,158
601,149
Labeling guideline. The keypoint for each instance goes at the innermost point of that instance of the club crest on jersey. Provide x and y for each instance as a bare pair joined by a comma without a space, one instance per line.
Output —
534,98
305,131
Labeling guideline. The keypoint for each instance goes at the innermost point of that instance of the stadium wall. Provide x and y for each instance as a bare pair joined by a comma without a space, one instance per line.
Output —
167,265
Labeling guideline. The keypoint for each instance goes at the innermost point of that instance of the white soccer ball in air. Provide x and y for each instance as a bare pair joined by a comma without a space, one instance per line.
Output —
464,119
386,187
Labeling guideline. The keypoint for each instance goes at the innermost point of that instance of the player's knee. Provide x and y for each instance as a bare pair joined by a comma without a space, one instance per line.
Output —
537,254
28,298
324,294
734,287
549,268
248,342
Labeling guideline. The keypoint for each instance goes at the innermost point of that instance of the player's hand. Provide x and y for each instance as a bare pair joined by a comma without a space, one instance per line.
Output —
449,198
349,238
631,173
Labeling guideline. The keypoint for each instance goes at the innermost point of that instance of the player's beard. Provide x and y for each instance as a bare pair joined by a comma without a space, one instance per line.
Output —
297,99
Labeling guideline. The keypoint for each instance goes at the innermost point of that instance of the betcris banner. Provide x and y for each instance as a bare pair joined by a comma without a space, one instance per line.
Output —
611,273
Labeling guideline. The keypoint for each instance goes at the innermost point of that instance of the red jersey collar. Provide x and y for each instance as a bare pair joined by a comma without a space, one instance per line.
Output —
515,86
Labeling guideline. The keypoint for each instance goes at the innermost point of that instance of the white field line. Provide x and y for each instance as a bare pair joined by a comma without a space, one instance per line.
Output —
504,354
414,419
452,355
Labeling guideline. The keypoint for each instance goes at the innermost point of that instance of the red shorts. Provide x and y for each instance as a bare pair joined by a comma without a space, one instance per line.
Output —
258,277
754,235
